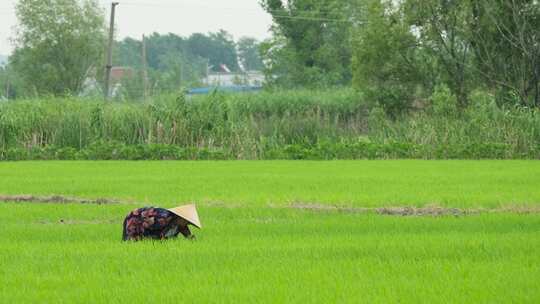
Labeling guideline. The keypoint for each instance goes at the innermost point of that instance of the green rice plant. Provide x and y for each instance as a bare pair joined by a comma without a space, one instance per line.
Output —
364,183
72,253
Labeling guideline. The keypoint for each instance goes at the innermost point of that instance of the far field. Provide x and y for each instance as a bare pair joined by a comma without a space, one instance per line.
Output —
262,183
254,248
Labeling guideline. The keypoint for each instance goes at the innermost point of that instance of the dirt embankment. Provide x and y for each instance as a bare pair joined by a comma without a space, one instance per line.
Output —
58,199
417,211
431,210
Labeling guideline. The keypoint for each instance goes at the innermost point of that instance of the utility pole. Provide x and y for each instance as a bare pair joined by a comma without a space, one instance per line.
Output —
108,67
207,71
145,68
7,86
181,77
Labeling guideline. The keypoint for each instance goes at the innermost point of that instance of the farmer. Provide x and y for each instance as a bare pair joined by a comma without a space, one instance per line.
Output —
159,223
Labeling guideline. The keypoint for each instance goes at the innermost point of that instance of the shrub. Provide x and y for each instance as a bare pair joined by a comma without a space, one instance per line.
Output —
444,103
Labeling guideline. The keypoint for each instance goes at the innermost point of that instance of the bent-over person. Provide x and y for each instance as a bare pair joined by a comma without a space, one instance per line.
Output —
160,223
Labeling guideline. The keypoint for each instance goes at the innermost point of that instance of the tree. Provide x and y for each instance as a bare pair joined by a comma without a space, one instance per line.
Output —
128,52
311,44
174,61
249,54
58,44
506,40
442,31
387,62
409,47
219,48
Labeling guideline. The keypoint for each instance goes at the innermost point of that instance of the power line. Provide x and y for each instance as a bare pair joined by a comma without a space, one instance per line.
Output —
172,5
280,15
311,18
169,5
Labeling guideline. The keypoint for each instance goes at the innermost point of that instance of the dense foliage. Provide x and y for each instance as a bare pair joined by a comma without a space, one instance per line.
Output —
174,62
58,44
311,43
408,48
60,51
417,79
397,52
272,125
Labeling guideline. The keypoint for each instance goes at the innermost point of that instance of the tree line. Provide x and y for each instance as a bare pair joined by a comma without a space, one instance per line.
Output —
400,54
60,45
173,62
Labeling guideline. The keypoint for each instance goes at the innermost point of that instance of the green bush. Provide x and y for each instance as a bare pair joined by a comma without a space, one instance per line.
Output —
394,99
321,151
444,103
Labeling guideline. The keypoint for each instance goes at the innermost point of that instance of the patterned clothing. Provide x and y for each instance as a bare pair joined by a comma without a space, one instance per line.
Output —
154,223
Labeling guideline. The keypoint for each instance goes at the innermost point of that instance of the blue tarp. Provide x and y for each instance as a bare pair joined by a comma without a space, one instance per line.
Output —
234,89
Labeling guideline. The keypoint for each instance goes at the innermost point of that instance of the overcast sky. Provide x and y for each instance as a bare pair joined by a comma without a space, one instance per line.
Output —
183,17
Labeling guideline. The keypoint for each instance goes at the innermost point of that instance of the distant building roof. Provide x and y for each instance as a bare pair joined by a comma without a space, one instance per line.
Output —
252,78
3,60
119,73
224,68
233,89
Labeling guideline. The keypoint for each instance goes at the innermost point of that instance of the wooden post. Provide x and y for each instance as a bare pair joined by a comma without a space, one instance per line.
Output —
108,67
7,86
145,69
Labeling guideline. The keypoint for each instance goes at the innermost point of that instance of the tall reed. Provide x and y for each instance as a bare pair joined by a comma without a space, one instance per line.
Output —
249,125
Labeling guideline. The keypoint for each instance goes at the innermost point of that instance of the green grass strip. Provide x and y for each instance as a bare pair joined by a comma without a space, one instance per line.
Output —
459,184
72,253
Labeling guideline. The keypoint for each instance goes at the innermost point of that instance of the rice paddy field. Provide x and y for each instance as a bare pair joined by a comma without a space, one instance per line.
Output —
275,232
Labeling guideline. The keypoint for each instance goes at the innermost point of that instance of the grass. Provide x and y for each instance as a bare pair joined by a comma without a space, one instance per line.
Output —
265,255
236,121
259,126
254,249
465,184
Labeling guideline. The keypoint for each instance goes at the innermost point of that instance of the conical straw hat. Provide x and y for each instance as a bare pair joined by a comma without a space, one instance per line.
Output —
189,213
